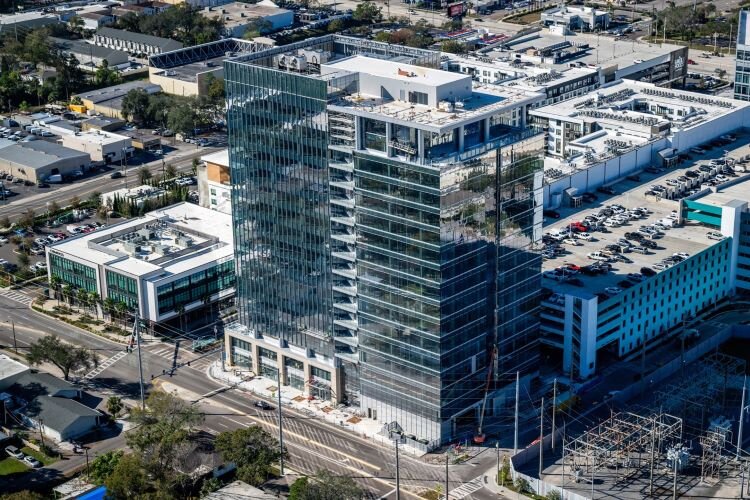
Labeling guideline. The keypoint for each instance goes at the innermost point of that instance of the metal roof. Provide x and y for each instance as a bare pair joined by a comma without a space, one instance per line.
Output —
39,154
164,43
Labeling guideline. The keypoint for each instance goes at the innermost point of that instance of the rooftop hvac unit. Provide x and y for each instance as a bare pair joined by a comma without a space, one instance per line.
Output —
145,233
297,63
184,241
131,247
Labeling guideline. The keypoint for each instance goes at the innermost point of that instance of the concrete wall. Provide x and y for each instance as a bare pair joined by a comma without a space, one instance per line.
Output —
171,85
111,151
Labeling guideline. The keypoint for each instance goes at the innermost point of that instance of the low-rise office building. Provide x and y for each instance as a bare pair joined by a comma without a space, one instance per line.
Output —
101,146
576,18
92,21
214,182
37,160
134,43
103,123
237,17
137,195
170,265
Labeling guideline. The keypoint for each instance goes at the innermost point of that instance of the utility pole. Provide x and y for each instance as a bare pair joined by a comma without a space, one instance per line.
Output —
742,417
541,439
41,430
515,432
137,335
281,432
398,474
13,327
554,402
447,457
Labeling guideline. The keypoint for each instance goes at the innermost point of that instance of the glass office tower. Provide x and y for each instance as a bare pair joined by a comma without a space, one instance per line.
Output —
387,219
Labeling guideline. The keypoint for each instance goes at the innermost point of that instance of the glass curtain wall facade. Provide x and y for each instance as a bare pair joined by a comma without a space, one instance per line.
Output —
449,280
278,155
742,61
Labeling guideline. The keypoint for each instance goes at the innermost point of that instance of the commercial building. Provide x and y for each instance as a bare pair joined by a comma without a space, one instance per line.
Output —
92,21
108,101
214,182
239,16
576,18
37,160
173,264
102,123
134,43
101,146
133,195
10,371
405,298
26,21
595,139
188,71
90,56
742,61
661,64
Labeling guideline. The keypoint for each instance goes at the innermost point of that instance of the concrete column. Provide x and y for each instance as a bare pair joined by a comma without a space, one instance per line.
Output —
282,368
522,110
337,388
255,350
731,218
308,377
486,132
420,143
460,133
388,138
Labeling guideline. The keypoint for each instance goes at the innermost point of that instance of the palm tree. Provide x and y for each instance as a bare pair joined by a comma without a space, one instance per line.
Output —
83,298
94,300
121,308
180,310
67,292
54,284
109,307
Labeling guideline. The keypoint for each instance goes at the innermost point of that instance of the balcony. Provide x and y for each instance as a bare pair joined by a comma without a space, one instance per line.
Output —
346,290
350,307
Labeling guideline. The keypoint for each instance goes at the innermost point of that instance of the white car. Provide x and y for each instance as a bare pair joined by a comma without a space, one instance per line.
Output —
611,223
612,290
32,462
713,235
3,240
571,241
583,236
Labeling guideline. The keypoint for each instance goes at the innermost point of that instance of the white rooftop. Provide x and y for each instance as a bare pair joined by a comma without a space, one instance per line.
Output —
394,70
721,196
209,231
10,367
219,157
98,137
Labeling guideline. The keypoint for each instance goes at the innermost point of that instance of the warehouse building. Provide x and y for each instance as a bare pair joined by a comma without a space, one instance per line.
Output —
102,146
173,264
576,18
134,43
90,56
108,101
188,71
37,160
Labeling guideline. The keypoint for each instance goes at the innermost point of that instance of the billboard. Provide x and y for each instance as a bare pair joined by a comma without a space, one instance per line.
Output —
456,9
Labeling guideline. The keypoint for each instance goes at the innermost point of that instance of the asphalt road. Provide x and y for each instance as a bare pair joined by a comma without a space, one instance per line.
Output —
312,444
102,183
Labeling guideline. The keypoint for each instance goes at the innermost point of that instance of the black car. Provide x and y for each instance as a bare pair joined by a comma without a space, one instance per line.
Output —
263,405
634,178
606,190
647,271
551,213
649,244
634,236
625,284
115,175
589,197
692,174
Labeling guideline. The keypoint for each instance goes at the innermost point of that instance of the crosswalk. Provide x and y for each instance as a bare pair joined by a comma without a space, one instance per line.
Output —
104,365
16,296
466,489
198,362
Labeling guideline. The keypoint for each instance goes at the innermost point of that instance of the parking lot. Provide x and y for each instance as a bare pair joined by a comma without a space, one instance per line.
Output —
598,253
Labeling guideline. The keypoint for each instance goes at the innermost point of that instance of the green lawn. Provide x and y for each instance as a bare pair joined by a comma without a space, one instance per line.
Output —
12,466
39,456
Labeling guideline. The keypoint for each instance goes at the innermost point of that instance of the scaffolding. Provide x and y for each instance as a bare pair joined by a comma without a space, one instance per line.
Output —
628,445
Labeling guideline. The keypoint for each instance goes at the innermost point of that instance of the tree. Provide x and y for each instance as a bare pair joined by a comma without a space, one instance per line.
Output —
161,430
135,105
28,218
194,166
252,449
210,485
23,260
553,495
367,12
95,199
104,76
453,47
336,25
66,357
114,406
144,174
128,479
23,107
170,172
183,118
22,495
4,221
325,486
83,297
76,24
104,465
54,207
75,202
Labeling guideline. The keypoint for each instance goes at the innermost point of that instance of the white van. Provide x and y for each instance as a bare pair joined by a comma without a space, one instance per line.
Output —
667,222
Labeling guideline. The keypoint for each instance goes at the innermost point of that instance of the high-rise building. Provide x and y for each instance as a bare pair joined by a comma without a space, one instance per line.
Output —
387,219
742,63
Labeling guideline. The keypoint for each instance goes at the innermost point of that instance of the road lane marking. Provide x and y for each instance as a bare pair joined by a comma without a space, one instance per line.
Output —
244,424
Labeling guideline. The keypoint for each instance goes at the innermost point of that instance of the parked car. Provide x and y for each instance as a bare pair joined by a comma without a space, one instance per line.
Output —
116,175
551,213
14,452
606,190
714,235
32,462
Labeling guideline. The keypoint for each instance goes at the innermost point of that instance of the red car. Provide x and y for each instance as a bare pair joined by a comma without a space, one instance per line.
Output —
690,61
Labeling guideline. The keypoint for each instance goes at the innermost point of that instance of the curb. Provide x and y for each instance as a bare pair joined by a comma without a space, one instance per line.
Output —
88,332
